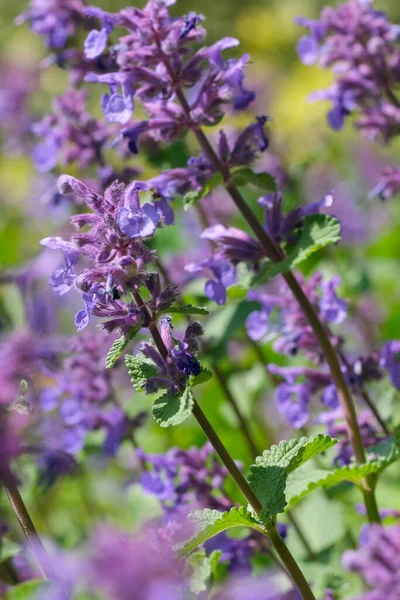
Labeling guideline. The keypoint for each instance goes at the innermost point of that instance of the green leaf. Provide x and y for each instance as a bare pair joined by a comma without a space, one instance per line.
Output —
191,198
268,484
185,309
203,568
245,175
300,483
204,375
119,346
140,370
172,410
318,231
210,523
292,454
28,590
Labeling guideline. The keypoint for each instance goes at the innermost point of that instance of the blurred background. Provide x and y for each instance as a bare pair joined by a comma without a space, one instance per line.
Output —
317,160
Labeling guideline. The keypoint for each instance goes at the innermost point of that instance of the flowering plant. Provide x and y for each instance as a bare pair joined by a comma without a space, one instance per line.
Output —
145,152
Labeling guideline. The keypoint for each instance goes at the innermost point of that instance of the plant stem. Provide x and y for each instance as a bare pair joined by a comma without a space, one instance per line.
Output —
275,254
25,521
291,565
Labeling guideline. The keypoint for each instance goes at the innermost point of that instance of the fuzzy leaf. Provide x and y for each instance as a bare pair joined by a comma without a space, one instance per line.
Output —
119,346
203,568
292,454
191,198
185,309
268,484
318,231
204,375
140,370
210,523
245,175
300,483
172,410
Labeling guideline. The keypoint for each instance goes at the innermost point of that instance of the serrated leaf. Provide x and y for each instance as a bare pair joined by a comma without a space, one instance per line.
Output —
203,568
119,346
293,453
245,175
302,482
173,410
318,231
204,375
29,590
191,198
185,309
268,484
210,523
140,370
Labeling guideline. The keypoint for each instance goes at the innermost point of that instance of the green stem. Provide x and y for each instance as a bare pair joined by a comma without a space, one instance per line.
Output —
25,521
275,254
291,565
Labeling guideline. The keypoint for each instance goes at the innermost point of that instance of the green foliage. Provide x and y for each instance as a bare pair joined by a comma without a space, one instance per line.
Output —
204,375
29,590
119,346
140,370
185,309
173,410
245,175
268,484
210,523
293,453
318,231
191,198
300,483
203,568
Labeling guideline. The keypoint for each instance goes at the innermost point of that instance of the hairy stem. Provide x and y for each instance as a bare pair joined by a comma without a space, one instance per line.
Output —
25,521
275,254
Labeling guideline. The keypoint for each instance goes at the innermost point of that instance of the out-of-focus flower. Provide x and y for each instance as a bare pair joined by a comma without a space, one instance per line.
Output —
377,561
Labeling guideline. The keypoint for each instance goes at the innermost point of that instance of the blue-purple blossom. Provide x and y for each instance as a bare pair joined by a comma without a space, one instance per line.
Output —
223,275
116,257
361,47
390,360
377,561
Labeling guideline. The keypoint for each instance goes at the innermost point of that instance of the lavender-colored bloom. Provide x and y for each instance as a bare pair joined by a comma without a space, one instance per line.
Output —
233,244
390,360
95,43
113,244
389,185
54,20
224,275
294,331
361,46
180,363
293,398
377,561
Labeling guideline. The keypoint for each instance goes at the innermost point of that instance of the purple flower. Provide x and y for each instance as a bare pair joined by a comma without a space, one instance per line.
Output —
224,275
134,221
233,244
63,279
389,185
377,561
117,109
390,360
333,308
95,43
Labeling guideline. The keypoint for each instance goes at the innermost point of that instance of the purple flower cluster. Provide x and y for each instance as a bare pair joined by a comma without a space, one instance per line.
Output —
113,247
156,62
291,326
81,400
180,363
187,479
54,20
362,47
377,561
233,246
